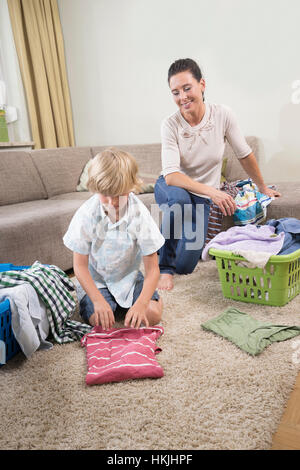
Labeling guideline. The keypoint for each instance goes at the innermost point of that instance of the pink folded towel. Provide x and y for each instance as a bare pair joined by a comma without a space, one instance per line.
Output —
120,354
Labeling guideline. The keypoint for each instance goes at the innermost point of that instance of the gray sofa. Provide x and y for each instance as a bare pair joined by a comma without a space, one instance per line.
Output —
38,197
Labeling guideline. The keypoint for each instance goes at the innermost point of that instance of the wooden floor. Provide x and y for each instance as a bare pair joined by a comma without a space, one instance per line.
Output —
287,436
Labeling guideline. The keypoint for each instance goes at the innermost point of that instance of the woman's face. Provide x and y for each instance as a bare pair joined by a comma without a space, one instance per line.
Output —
187,91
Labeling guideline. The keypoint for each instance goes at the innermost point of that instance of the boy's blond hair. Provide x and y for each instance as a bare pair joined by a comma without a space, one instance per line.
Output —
113,172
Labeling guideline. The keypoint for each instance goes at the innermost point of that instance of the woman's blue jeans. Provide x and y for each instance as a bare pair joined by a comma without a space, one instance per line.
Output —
184,226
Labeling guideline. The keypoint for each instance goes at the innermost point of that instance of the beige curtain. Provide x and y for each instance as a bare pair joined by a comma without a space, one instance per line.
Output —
40,48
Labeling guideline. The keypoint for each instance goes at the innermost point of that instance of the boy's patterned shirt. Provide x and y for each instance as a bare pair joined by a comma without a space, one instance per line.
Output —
115,250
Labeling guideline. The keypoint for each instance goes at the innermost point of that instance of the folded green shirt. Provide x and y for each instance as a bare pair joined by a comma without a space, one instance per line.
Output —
248,334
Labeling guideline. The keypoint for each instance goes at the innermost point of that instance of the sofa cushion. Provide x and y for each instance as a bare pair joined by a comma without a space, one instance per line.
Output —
234,170
75,196
34,230
60,168
288,204
148,157
20,181
147,199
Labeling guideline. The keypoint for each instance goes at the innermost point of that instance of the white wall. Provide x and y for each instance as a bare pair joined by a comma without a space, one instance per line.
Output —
19,131
118,53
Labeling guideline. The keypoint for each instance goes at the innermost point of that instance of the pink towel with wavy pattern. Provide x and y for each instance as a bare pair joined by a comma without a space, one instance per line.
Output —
121,354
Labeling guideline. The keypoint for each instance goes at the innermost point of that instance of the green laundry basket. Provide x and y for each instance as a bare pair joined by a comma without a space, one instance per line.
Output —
276,284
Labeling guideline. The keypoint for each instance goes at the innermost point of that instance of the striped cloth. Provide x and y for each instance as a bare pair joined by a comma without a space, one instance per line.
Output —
119,354
215,215
251,205
53,287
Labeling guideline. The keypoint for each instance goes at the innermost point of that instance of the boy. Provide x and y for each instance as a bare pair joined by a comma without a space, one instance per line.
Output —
110,234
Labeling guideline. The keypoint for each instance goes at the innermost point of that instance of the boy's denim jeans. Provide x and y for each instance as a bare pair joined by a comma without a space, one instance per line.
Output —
184,226
87,306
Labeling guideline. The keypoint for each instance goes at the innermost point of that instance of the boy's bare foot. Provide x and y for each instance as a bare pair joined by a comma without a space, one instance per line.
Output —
165,282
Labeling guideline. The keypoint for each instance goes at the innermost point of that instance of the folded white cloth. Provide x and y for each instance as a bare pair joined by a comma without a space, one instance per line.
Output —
29,320
255,259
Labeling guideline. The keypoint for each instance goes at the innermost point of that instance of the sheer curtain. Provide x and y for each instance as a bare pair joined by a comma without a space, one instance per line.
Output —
18,131
39,43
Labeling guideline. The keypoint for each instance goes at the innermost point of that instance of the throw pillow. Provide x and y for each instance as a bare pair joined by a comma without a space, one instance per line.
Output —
223,170
148,183
82,186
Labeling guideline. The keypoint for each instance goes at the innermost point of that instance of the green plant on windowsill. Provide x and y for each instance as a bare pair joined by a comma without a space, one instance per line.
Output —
3,127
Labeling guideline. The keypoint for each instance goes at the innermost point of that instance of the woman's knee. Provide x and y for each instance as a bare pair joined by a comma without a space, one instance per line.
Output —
186,262
171,195
179,196
184,269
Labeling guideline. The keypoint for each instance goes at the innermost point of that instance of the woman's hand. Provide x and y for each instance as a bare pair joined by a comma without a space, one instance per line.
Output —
103,315
269,192
136,315
251,167
224,201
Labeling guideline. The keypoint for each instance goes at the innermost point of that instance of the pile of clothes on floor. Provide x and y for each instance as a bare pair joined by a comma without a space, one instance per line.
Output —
249,334
41,305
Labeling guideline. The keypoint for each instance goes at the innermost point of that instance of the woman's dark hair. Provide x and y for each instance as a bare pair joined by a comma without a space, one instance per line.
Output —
184,65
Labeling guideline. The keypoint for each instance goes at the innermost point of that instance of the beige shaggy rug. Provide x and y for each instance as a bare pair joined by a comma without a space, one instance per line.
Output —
212,396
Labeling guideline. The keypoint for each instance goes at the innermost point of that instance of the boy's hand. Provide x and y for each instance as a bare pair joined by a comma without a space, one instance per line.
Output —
136,315
103,315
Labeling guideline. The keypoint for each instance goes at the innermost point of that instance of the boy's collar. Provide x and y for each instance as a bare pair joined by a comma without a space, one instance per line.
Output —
124,218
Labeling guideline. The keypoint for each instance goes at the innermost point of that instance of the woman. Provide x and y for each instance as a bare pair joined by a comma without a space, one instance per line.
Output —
193,142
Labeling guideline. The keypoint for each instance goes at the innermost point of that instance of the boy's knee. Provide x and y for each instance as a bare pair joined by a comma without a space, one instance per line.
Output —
92,320
154,312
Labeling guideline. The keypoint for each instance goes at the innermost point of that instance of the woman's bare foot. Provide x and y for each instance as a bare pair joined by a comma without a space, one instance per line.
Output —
165,282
